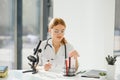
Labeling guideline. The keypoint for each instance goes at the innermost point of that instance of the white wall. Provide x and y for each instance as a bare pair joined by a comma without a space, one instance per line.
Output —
90,28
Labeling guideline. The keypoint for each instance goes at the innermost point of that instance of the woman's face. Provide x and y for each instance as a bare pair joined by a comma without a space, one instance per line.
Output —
57,32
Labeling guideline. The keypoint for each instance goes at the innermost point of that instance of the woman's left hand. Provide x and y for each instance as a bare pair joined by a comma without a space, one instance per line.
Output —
74,54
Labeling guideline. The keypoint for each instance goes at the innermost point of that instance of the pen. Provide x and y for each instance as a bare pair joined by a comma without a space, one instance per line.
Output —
80,72
89,76
49,60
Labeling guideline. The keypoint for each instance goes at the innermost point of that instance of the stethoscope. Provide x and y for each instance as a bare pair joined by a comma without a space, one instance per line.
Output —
50,60
48,45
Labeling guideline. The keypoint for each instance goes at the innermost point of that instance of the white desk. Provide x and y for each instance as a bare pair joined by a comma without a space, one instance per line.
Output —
41,75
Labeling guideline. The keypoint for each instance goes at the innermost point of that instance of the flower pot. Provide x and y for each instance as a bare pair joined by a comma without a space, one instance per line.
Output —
110,72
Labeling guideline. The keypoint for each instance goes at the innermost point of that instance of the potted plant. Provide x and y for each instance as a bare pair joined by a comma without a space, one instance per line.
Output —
102,75
111,60
110,67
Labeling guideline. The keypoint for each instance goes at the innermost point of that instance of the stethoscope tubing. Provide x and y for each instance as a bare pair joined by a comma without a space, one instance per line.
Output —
47,44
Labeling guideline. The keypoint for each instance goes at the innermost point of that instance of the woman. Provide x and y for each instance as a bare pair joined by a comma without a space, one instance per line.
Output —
56,49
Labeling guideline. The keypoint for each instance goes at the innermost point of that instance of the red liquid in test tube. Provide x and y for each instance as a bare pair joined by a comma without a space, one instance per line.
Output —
67,66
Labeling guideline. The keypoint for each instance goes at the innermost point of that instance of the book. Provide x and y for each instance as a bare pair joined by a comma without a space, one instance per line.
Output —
3,68
3,71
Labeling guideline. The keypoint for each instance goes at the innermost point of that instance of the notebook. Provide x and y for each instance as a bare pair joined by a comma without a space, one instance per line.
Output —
92,73
3,71
3,68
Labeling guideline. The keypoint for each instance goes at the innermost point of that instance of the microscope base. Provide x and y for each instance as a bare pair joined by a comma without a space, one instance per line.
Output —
33,71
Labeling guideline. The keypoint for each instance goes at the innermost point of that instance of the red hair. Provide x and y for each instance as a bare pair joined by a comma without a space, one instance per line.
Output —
56,21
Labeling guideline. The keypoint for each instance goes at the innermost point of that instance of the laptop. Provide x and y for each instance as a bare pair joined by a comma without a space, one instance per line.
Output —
92,73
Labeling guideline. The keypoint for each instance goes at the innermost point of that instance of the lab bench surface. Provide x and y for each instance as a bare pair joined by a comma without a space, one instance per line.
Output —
41,75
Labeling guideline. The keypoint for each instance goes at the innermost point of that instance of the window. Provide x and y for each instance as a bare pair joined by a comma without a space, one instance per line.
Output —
31,28
22,24
117,29
7,33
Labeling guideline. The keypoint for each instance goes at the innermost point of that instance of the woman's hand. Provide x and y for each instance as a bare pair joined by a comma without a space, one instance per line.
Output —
47,66
74,54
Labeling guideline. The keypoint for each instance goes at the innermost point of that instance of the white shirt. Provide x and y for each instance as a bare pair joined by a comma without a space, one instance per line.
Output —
56,59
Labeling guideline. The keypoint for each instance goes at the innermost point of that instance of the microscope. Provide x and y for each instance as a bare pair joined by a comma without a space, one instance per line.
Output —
34,60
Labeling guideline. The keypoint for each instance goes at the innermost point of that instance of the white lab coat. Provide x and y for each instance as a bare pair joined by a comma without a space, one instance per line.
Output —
56,59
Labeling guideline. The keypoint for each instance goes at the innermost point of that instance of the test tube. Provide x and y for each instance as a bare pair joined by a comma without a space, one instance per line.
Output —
69,62
66,64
